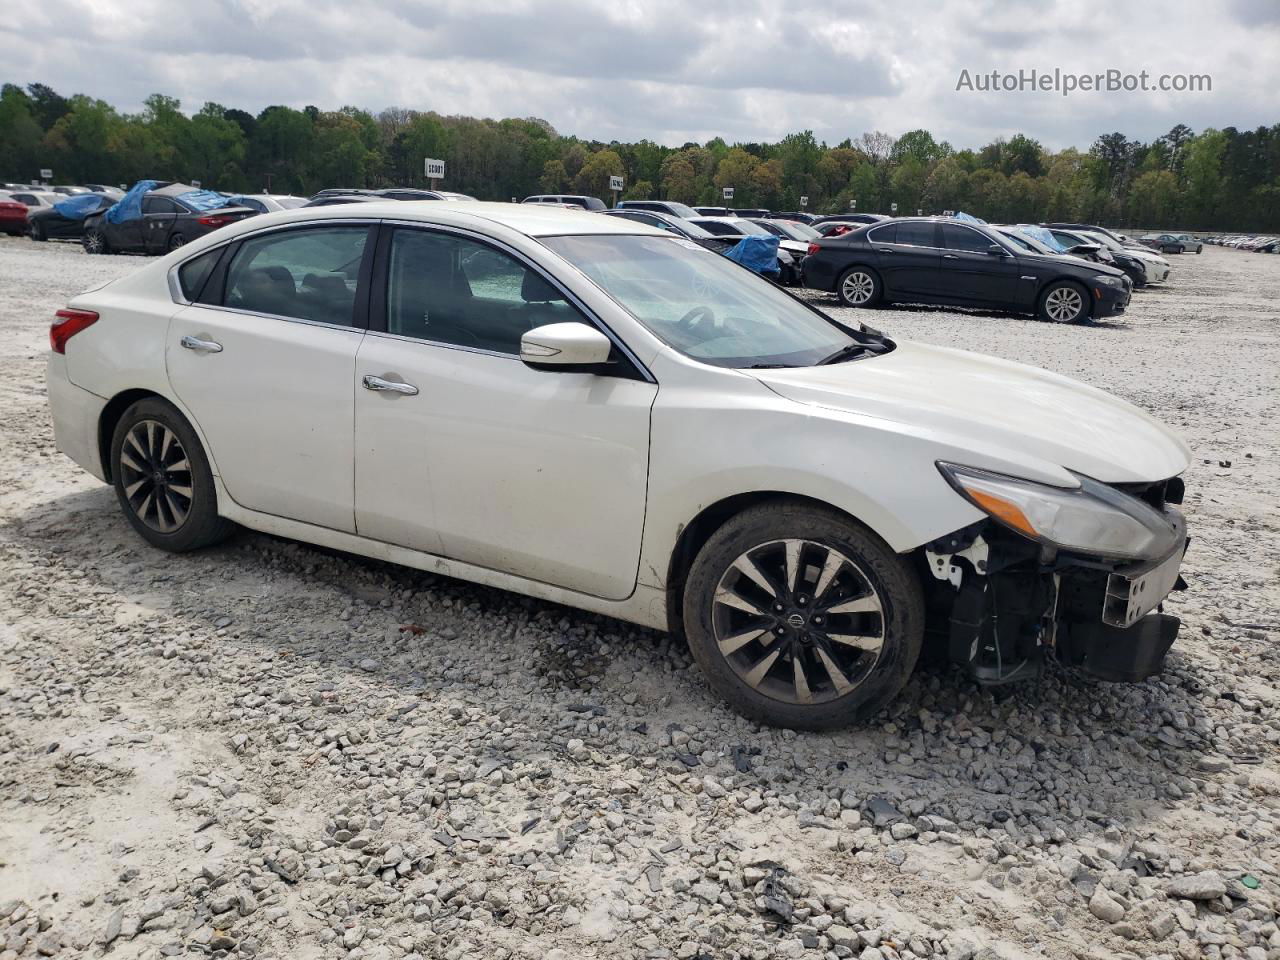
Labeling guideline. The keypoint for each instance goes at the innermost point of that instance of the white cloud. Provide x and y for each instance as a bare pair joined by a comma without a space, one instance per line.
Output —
663,69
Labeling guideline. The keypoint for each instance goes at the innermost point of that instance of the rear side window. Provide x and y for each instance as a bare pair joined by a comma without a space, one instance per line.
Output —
303,274
916,234
962,238
885,234
193,274
159,205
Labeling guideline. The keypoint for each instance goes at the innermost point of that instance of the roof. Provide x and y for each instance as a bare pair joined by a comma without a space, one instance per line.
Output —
533,220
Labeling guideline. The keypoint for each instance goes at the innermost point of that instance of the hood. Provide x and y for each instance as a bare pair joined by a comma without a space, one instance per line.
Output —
973,401
795,246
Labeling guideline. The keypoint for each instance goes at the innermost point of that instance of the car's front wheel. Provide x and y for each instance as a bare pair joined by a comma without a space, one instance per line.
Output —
37,231
800,617
163,480
95,242
859,287
1064,302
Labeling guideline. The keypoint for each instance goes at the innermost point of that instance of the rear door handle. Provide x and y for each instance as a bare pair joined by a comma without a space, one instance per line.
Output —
203,346
949,256
388,386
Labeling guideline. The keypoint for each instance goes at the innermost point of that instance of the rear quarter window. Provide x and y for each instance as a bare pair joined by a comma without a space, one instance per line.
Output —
193,274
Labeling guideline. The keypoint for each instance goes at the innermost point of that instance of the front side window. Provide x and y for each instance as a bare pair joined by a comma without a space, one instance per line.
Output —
702,304
305,274
962,238
454,290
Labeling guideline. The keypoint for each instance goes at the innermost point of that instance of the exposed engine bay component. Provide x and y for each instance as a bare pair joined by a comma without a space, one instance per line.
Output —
1007,603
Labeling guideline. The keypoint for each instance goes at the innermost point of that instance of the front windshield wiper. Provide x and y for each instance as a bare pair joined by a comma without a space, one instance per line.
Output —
767,366
850,351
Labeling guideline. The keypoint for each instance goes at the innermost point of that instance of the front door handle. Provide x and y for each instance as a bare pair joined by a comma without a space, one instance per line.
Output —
949,256
389,386
204,346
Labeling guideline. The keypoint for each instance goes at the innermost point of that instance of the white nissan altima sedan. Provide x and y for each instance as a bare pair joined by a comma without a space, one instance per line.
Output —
591,411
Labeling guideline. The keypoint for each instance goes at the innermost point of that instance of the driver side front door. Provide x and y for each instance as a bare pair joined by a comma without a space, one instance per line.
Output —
465,452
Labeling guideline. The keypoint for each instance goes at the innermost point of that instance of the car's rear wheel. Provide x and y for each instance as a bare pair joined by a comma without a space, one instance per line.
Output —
163,480
176,241
859,287
800,617
94,241
1064,302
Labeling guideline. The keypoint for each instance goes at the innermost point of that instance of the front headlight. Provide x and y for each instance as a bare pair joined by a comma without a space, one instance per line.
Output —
1091,518
1107,281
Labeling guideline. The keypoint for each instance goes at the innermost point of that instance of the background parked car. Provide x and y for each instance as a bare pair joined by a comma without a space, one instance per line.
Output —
851,218
1191,242
1097,247
70,191
931,260
662,206
789,273
836,228
65,219
103,188
793,215
680,226
788,230
167,217
1164,242
1092,227
13,215
568,199
268,202
1155,267
337,195
714,211
35,200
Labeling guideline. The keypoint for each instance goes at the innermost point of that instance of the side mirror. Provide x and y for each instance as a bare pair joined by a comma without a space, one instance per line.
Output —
995,250
565,347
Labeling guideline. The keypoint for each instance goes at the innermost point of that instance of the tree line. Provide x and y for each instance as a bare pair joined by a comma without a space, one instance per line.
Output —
1224,179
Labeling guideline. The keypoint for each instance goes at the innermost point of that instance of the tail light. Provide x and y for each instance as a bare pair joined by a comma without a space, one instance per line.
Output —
66,324
216,220
814,248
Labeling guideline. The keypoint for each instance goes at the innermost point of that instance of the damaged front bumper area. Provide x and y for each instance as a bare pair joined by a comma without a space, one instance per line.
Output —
1002,605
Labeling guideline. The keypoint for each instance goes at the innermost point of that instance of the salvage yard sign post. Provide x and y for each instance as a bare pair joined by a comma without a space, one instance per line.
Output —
853,204
46,175
804,202
615,184
893,208
434,170
728,193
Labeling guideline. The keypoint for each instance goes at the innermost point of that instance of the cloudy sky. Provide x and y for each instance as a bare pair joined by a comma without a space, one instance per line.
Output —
666,70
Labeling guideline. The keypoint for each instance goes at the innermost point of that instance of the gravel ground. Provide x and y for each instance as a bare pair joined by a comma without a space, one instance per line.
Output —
272,750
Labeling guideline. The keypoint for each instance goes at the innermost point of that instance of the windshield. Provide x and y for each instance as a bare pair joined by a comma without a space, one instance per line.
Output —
291,203
704,305
680,210
796,231
1102,239
746,227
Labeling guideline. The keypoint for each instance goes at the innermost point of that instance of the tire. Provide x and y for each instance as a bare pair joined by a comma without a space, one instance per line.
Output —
37,233
1057,297
176,241
1138,277
95,241
755,672
859,286
151,440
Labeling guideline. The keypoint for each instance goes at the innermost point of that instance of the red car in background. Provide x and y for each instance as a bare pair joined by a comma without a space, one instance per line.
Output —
13,216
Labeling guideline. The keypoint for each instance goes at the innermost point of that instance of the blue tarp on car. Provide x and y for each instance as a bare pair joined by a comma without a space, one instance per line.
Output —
966,217
203,200
1043,234
756,253
129,207
80,206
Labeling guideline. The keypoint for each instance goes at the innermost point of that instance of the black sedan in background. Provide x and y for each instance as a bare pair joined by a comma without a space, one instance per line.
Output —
50,223
166,223
935,260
